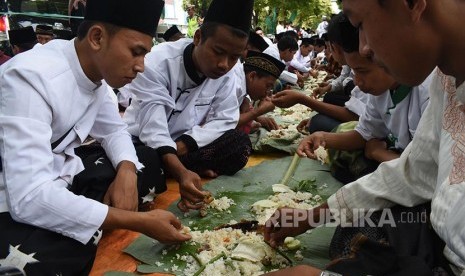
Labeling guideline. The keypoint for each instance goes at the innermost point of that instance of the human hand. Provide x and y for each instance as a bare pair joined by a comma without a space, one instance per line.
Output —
181,148
266,105
190,188
287,98
303,126
310,143
286,222
319,91
122,192
267,122
162,226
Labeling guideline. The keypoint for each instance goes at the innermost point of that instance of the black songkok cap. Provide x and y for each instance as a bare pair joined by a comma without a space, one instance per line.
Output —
23,35
44,30
265,63
138,15
63,34
234,13
257,41
170,32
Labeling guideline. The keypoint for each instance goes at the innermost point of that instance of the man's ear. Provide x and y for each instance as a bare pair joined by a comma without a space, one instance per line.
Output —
417,8
197,37
95,36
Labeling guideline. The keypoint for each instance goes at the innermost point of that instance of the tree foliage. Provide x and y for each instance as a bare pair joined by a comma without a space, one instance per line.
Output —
267,13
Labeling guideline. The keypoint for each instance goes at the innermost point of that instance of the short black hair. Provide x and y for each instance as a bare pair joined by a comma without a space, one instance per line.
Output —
208,29
85,26
347,37
292,34
319,42
287,42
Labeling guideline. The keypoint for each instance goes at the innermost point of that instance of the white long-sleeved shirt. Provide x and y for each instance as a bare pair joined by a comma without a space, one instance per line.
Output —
171,100
382,119
301,63
285,76
430,168
44,93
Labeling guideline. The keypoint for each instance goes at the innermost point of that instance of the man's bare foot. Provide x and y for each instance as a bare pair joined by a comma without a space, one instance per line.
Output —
208,174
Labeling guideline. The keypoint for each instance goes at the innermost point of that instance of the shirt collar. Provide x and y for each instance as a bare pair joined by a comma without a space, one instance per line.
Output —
82,80
189,65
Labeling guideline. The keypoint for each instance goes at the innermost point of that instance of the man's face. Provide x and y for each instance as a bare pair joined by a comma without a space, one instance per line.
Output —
259,87
216,56
190,12
42,39
287,55
396,36
122,56
305,50
369,76
259,32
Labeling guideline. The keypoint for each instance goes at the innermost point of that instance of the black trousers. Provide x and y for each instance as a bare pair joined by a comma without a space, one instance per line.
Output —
42,252
409,247
226,155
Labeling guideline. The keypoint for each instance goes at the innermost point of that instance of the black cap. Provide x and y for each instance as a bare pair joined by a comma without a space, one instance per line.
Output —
234,13
170,32
257,41
44,30
139,15
63,34
23,35
265,63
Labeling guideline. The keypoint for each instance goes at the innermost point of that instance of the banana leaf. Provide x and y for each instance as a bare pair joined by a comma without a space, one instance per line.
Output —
246,187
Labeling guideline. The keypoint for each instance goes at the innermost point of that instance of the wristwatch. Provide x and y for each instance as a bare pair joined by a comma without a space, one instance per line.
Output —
329,273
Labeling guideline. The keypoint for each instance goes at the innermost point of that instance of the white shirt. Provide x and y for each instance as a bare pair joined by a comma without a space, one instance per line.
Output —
171,100
357,101
337,83
44,93
301,63
382,120
241,87
321,29
285,76
430,168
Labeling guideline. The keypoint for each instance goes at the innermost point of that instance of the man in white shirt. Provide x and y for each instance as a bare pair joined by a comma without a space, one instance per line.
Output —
52,97
185,104
431,167
301,60
321,29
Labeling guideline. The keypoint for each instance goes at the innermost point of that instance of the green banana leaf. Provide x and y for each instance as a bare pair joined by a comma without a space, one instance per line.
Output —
246,187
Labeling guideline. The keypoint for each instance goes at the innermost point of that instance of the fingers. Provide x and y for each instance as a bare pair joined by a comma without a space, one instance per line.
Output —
274,125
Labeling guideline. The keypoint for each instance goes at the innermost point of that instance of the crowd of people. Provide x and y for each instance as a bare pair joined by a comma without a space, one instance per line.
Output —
389,113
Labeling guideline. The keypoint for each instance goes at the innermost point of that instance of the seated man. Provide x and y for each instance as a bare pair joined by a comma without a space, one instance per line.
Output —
284,50
52,98
385,128
430,169
185,104
22,40
44,33
259,74
301,60
173,34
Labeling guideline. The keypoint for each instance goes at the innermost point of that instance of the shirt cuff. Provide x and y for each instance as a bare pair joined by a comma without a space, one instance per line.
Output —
166,149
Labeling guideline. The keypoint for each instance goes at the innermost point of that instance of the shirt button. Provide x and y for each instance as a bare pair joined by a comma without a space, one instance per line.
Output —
77,127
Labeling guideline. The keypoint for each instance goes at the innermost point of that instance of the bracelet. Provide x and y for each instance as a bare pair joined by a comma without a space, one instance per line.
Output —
329,273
